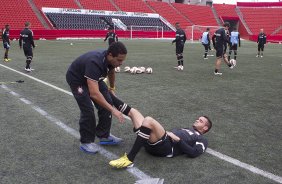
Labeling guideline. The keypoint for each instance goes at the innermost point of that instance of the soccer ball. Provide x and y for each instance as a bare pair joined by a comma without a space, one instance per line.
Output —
149,70
233,62
139,70
143,69
127,69
117,69
133,70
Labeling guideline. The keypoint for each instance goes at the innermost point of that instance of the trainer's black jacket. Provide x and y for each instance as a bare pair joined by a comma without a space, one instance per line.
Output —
180,37
219,38
191,143
5,36
26,39
261,39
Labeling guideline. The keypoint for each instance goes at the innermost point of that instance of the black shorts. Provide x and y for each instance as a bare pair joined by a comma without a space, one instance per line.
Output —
234,47
219,52
161,148
6,45
179,48
260,47
207,46
28,52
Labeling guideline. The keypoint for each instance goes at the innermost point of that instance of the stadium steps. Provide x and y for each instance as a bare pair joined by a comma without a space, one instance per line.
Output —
192,23
40,15
204,15
115,5
225,10
216,16
239,13
78,4
146,2
262,17
277,31
169,13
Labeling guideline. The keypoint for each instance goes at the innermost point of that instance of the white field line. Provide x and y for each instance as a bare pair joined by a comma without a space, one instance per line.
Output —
221,156
110,156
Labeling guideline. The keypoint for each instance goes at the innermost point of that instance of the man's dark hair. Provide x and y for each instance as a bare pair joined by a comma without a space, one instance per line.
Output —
26,24
226,24
209,123
117,48
208,29
7,25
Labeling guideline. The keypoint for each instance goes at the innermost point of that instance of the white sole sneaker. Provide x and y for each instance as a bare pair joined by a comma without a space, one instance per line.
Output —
217,73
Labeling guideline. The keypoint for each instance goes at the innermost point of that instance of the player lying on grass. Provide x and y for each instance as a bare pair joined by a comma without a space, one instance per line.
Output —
157,141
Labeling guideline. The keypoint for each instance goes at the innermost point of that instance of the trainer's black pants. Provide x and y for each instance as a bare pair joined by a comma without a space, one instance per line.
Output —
87,122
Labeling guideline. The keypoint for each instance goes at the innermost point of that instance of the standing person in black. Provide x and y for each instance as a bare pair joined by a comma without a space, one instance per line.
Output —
26,41
6,42
111,36
220,41
85,78
180,39
261,42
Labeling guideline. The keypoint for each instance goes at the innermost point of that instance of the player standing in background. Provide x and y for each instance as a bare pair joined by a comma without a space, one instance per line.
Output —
234,43
26,41
261,41
206,42
220,41
6,42
111,36
180,39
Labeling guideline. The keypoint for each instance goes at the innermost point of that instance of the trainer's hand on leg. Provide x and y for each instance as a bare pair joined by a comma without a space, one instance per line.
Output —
118,114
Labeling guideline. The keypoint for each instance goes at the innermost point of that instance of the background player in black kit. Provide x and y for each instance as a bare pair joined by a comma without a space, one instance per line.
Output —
159,142
261,42
85,78
6,42
220,42
180,39
111,36
26,41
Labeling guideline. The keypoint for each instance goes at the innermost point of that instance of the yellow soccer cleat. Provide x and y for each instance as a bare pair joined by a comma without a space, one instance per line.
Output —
6,60
122,162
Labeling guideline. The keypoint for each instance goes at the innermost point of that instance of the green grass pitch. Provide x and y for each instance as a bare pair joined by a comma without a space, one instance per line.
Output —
244,105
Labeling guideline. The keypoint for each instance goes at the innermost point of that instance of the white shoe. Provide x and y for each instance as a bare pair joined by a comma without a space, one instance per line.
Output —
217,73
261,56
31,69
27,69
231,67
257,55
89,148
181,67
206,58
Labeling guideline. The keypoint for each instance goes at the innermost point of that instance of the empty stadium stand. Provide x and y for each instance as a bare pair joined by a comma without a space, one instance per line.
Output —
133,6
86,22
204,15
98,5
11,15
260,17
55,4
224,10
169,13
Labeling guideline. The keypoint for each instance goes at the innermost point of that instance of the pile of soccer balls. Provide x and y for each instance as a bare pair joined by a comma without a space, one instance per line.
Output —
135,70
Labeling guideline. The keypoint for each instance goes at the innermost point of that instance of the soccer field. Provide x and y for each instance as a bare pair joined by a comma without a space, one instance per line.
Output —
39,118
